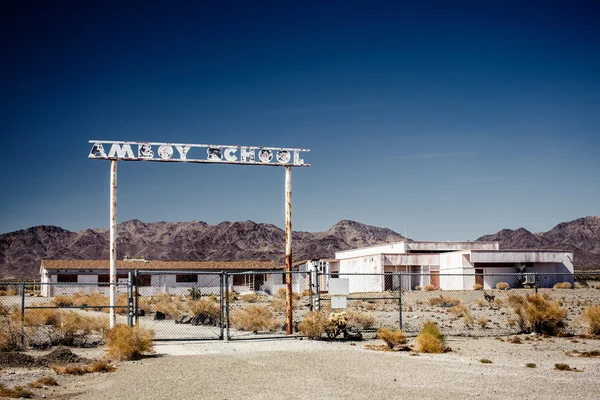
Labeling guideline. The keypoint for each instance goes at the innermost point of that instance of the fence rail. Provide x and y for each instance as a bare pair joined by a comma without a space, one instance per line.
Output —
248,305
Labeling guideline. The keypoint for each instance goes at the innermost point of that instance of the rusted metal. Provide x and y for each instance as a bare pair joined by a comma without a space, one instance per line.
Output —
113,243
178,152
288,249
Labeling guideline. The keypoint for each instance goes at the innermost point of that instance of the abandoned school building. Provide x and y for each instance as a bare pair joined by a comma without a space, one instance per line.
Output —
448,265
406,264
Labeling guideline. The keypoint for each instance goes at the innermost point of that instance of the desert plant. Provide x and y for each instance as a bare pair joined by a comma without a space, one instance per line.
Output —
62,301
125,343
45,381
502,286
306,293
204,306
392,337
458,310
279,305
477,286
591,319
194,293
69,369
562,285
482,322
530,365
10,335
101,366
315,324
539,314
485,361
254,319
429,288
597,285
281,293
442,301
430,339
361,320
249,297
17,392
565,367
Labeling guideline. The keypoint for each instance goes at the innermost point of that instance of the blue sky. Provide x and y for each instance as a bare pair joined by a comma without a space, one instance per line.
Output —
448,120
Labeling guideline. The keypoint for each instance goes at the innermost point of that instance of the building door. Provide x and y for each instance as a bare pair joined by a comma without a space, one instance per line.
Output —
434,279
259,280
389,281
479,276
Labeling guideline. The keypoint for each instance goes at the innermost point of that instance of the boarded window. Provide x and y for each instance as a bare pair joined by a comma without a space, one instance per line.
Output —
187,278
239,280
145,280
66,278
104,279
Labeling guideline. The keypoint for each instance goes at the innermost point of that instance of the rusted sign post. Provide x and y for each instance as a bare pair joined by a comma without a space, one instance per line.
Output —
215,154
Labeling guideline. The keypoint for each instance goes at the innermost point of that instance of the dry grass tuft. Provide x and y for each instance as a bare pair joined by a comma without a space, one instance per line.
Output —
45,381
442,301
282,292
514,340
502,286
591,319
562,285
430,339
315,324
69,369
482,322
597,285
530,365
101,366
392,337
249,297
254,319
429,288
10,335
477,286
125,343
17,392
204,306
361,320
565,367
485,361
62,301
538,314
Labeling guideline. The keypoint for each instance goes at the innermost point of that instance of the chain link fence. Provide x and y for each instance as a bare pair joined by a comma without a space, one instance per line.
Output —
252,304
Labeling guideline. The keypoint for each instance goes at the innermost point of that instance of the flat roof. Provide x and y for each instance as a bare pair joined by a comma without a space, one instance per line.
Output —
409,241
212,265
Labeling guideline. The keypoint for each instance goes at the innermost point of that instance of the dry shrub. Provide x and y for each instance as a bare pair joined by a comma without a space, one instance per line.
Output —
306,293
249,297
597,285
361,320
101,366
515,300
430,339
62,301
458,310
45,381
204,306
171,309
91,300
429,288
539,314
10,335
9,291
498,303
315,324
477,286
562,285
40,317
69,369
392,337
254,319
485,361
281,293
17,392
125,343
442,301
482,322
530,365
280,305
591,319
502,286
514,340
565,367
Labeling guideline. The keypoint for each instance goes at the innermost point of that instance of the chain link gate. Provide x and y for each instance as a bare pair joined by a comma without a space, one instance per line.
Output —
180,305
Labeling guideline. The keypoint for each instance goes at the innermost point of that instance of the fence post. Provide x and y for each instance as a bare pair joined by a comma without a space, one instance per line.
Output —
400,299
318,291
536,282
136,310
227,336
221,304
310,290
23,313
130,299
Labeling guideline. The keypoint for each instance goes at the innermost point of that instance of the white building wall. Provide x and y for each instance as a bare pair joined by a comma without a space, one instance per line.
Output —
363,265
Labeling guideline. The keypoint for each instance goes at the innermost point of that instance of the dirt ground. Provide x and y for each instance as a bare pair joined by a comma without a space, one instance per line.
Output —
294,368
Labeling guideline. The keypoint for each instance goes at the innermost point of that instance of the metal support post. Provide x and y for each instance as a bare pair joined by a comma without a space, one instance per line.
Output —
113,243
536,282
288,249
400,298
136,310
130,299
227,336
318,290
23,313
221,304
310,291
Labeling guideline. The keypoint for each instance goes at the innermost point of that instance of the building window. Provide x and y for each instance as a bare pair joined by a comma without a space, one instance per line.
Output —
187,278
66,278
239,280
104,279
145,280
335,275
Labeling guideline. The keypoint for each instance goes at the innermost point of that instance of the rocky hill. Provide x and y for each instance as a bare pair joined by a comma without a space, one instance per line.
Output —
21,251
582,236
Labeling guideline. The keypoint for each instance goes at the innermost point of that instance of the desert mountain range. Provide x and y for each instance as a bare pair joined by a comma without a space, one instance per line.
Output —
21,251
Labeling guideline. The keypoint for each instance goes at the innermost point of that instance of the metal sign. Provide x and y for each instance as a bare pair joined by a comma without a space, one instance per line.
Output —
208,153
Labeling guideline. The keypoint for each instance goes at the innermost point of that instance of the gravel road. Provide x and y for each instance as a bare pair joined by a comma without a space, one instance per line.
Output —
302,369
